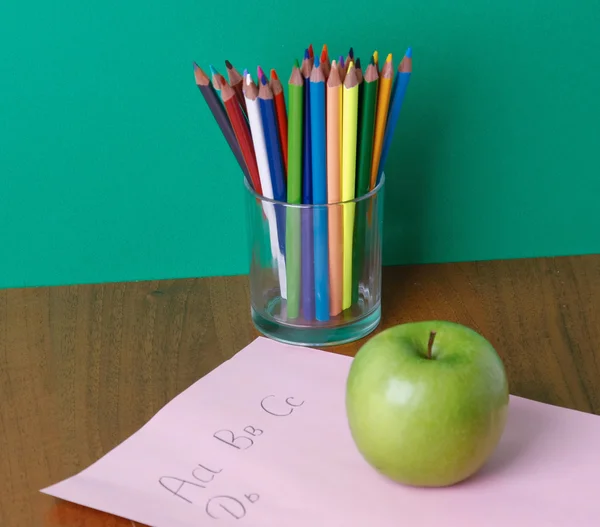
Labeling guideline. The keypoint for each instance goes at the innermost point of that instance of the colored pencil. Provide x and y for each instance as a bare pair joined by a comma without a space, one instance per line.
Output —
359,73
236,81
325,64
334,101
260,149
376,60
218,111
307,270
216,78
359,79
242,132
366,130
319,177
269,122
282,124
397,98
349,121
342,68
365,152
342,73
295,127
383,101
294,190
261,75
350,57
311,52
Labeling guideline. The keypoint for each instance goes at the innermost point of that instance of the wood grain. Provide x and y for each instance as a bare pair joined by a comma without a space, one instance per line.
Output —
83,367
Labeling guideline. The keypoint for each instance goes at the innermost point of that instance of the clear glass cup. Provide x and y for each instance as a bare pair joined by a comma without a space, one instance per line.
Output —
315,270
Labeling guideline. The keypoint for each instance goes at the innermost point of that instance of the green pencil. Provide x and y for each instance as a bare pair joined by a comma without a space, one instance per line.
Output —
367,126
294,190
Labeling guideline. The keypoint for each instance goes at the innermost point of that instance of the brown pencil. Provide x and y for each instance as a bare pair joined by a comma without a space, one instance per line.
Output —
218,111
237,83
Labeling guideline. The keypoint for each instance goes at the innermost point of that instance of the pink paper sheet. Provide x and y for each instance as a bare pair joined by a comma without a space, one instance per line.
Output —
262,441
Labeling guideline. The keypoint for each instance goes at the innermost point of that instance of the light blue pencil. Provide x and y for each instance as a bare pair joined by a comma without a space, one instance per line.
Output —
319,181
398,93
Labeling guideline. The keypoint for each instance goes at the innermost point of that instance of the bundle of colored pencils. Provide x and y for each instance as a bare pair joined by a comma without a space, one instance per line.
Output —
328,145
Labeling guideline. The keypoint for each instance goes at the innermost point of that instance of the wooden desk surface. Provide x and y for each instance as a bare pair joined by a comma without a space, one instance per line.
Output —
83,367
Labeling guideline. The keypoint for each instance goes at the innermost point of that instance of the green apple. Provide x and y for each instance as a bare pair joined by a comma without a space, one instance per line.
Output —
427,402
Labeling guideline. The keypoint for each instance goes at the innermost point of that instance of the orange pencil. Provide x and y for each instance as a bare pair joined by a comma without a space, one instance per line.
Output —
241,131
383,102
334,98
280,110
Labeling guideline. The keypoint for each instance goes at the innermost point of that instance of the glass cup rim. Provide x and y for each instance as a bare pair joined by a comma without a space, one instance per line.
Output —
364,197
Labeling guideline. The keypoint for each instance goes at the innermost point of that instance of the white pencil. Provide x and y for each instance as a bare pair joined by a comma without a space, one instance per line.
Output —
260,149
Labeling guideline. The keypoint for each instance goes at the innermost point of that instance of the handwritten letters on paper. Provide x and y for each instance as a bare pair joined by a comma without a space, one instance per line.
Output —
201,475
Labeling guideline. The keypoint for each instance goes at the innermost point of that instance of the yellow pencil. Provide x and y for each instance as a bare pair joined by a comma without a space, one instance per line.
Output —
349,130
383,102
341,72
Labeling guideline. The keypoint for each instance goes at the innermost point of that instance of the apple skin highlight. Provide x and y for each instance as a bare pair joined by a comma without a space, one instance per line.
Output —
427,422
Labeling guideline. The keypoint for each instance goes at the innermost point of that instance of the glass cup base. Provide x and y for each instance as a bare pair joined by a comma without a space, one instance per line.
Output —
314,335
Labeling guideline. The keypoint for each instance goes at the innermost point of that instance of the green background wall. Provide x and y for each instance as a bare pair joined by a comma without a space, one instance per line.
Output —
112,168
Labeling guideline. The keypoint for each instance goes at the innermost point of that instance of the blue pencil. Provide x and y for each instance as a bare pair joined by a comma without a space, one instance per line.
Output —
307,274
267,113
398,93
319,181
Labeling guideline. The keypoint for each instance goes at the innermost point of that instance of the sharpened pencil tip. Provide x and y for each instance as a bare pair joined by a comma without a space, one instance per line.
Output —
263,80
228,65
245,73
296,64
351,53
341,61
260,72
311,51
372,61
389,58
358,63
274,75
213,71
306,54
316,64
408,53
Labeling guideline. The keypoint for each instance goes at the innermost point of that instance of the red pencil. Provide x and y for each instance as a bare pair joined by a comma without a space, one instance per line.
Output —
311,51
242,132
277,89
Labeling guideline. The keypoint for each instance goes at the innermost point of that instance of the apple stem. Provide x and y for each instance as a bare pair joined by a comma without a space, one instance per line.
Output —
430,344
